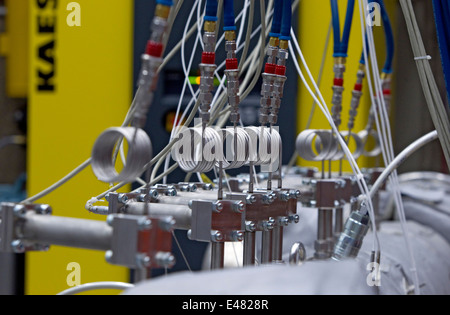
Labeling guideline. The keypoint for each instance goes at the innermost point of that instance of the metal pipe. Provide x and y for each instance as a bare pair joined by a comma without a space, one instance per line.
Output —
249,248
71,232
338,222
181,213
217,255
266,247
277,243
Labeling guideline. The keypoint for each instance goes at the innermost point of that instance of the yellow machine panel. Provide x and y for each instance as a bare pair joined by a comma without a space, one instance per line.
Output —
80,67
14,46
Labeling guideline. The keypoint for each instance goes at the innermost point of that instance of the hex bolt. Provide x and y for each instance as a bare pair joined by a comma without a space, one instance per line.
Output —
267,226
17,246
217,206
192,187
144,223
250,226
237,236
143,260
295,194
283,221
216,236
171,192
122,198
19,210
239,206
153,194
207,186
166,223
165,259
189,234
141,197
44,209
285,196
294,218
250,199
267,199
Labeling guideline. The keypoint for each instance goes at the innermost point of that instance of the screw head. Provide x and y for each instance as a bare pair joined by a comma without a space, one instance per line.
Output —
19,210
239,206
153,194
237,236
285,196
250,199
143,260
145,223
44,209
216,236
165,259
171,192
192,187
217,206
122,198
250,226
17,246
166,223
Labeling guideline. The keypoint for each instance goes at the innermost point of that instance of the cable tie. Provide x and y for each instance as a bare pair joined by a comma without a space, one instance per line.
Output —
427,57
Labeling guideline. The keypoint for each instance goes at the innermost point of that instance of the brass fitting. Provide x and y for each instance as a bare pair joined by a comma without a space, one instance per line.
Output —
274,41
209,26
284,44
230,35
162,11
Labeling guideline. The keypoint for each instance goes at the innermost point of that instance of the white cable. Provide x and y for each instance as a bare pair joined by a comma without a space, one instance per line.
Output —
322,105
385,133
97,286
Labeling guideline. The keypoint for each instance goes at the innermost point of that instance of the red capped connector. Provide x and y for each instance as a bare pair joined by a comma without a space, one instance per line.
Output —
338,82
387,92
358,87
231,63
154,49
280,70
208,58
270,68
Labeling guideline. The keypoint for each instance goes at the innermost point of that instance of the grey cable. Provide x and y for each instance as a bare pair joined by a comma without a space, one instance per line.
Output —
400,158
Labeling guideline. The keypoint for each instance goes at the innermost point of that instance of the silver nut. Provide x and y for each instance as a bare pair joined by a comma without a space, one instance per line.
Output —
44,209
239,206
217,206
143,260
165,259
250,226
144,223
250,199
216,236
19,210
122,198
17,246
237,236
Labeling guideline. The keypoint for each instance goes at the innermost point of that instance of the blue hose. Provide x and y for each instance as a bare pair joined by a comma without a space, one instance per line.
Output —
341,44
442,14
286,21
275,31
228,16
211,10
